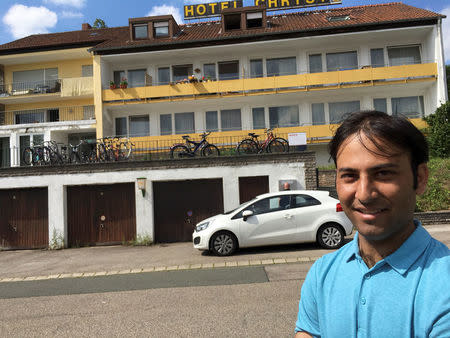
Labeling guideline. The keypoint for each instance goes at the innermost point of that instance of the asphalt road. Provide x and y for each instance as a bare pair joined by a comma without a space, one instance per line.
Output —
251,301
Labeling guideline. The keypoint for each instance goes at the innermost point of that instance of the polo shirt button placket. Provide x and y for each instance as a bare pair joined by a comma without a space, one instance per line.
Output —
363,301
367,276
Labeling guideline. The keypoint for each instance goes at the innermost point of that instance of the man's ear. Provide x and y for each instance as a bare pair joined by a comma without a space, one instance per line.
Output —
422,178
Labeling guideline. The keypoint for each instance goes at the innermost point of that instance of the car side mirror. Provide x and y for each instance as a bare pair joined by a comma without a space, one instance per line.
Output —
246,214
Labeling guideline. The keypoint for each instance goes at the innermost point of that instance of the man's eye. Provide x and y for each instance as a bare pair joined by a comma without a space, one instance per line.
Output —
384,173
347,176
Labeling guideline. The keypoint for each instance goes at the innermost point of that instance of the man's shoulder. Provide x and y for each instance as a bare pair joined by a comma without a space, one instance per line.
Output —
437,255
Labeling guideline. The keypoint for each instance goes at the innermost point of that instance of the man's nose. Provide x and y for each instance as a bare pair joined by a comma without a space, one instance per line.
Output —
365,190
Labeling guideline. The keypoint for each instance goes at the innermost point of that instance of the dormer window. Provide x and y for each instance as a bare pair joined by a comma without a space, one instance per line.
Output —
254,20
232,21
140,31
161,29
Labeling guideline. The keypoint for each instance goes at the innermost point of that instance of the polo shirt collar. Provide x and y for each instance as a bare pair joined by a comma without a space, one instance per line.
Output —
402,259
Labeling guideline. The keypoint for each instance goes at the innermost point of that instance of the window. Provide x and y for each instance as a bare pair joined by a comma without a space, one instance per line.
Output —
121,127
229,70
209,71
212,123
232,21
259,121
181,72
140,31
338,18
165,121
377,57
163,76
405,55
342,61
88,112
184,123
139,126
256,68
281,66
410,107
118,76
380,105
32,116
254,20
318,113
230,119
299,201
161,29
286,116
315,63
271,204
87,71
38,80
339,110
136,78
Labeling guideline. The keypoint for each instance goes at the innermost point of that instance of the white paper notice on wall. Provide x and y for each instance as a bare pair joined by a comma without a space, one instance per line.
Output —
297,139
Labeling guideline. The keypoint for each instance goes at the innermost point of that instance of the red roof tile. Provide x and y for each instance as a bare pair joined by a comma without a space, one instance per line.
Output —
306,21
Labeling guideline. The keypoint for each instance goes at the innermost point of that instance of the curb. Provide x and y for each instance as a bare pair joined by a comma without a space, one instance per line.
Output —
263,262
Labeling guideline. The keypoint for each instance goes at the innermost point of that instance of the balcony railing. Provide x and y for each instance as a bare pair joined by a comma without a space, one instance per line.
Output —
44,115
366,76
67,87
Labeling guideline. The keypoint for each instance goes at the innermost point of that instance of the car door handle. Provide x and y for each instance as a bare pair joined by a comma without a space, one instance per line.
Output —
288,216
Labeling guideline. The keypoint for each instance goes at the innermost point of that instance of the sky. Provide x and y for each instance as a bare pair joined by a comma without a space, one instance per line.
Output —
20,18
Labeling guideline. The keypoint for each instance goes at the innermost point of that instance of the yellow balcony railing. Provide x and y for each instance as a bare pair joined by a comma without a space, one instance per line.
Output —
256,86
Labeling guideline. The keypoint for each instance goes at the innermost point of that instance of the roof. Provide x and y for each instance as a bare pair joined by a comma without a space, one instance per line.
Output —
311,22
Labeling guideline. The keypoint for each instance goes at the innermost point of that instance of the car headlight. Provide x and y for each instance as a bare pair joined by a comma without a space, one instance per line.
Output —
201,226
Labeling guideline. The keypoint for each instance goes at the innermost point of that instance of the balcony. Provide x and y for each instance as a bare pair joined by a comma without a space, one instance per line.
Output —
19,92
61,115
365,77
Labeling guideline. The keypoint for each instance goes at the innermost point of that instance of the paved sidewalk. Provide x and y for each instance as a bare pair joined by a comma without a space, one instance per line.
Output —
26,265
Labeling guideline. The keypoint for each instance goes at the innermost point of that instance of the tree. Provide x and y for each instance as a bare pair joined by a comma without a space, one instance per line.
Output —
439,131
99,23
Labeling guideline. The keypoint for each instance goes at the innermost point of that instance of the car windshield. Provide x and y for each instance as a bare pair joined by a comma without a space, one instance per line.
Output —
242,205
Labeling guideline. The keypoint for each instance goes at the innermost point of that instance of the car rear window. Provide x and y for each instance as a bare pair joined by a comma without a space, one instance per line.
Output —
300,201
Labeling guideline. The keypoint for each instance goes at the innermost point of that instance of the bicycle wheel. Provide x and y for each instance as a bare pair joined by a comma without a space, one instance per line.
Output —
276,146
210,151
102,153
247,147
179,151
285,143
46,158
27,156
124,150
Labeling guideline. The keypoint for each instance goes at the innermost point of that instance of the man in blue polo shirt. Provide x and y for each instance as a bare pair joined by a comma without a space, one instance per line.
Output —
393,279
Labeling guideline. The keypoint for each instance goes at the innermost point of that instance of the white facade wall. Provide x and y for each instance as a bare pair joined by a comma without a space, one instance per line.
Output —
57,187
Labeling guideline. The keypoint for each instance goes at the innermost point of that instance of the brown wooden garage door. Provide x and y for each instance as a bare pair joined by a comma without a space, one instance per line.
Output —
250,187
101,214
24,218
179,205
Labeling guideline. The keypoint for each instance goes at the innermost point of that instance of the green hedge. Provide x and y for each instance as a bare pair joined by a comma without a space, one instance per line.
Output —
437,195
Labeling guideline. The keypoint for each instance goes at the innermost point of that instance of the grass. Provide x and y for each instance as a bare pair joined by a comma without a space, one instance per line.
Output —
437,194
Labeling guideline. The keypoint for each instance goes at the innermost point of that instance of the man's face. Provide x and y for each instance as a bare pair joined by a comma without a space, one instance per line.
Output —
376,191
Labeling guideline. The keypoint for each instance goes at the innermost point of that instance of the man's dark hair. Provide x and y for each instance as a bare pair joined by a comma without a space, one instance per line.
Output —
388,134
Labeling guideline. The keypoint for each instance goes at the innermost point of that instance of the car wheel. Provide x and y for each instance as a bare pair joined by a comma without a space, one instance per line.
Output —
223,243
330,236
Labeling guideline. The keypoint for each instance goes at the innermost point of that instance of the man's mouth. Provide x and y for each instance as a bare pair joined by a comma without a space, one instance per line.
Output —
370,211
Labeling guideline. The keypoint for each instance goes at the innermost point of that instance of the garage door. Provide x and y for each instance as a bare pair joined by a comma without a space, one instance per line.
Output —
179,205
101,214
250,187
24,218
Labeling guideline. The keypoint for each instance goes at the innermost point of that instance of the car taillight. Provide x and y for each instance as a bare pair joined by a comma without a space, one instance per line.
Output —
339,207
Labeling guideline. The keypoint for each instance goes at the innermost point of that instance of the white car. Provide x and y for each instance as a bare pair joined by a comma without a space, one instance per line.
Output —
276,218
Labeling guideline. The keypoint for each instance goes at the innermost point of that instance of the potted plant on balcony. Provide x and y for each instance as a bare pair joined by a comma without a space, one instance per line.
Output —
123,83
112,85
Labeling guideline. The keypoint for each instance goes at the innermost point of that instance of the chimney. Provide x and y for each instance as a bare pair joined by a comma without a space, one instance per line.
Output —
85,26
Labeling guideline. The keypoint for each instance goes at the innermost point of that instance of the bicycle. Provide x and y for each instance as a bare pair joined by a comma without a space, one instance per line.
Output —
271,144
36,155
180,150
114,149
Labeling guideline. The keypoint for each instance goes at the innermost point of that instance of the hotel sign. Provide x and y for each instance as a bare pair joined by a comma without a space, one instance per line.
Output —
209,9
275,5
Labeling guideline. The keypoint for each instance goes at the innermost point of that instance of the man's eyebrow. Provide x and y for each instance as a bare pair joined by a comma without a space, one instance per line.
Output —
374,168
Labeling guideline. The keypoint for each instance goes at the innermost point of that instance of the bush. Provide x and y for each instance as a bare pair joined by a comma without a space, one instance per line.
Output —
437,195
438,131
